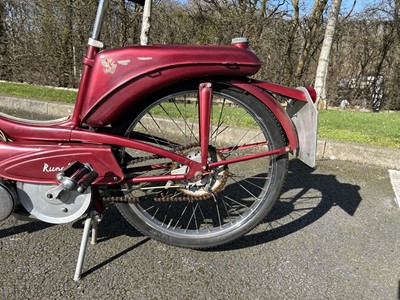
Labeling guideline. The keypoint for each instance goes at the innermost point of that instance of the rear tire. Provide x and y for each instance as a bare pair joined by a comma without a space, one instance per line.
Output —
251,188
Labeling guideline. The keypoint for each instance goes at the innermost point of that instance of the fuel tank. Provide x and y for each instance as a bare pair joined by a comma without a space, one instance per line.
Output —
121,77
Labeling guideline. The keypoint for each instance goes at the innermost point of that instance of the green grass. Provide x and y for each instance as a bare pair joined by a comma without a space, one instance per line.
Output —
232,116
44,93
380,129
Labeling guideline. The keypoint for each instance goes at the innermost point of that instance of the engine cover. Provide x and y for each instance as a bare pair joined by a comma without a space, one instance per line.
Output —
69,206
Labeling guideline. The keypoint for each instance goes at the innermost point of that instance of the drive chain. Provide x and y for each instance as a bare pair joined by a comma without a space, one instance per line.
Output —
164,197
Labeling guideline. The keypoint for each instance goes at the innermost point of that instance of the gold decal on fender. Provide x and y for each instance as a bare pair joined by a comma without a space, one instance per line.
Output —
109,65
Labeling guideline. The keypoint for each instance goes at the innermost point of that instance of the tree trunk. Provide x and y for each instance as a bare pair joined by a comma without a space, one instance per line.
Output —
144,36
396,16
310,37
294,24
323,62
123,23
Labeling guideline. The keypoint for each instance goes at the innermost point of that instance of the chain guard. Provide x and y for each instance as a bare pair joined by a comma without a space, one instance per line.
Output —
69,206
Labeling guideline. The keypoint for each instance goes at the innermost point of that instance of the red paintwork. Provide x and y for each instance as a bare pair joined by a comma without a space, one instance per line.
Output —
94,137
113,82
276,108
282,90
23,161
121,77
247,157
40,162
205,101
91,53
31,131
312,92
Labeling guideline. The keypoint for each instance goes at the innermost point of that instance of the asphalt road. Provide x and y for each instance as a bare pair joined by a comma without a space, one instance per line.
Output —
334,234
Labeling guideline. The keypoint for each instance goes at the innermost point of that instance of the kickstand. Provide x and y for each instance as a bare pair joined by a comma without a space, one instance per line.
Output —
91,222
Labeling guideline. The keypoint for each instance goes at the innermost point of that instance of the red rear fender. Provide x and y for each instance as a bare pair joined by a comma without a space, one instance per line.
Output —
276,108
124,76
292,93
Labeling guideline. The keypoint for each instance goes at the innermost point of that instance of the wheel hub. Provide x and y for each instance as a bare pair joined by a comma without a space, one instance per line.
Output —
203,184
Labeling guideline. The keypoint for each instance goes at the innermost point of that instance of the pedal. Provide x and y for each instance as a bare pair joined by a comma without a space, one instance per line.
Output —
71,177
69,170
90,178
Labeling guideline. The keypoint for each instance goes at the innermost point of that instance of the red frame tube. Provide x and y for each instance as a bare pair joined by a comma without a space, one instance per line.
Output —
84,83
205,100
193,165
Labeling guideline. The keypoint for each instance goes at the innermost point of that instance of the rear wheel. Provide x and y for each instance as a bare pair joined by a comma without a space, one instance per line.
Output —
215,209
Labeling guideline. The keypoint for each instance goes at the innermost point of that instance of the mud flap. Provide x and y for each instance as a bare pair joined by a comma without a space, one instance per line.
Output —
305,119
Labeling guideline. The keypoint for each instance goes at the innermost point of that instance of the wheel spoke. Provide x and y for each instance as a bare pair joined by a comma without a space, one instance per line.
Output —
193,217
190,212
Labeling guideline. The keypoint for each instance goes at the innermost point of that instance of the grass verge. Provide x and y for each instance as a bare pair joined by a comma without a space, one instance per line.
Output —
379,129
31,91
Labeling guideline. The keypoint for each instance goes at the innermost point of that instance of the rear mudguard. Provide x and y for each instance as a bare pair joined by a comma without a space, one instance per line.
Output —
122,77
275,107
300,112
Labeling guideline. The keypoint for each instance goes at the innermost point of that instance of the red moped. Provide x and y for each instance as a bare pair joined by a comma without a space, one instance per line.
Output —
192,151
